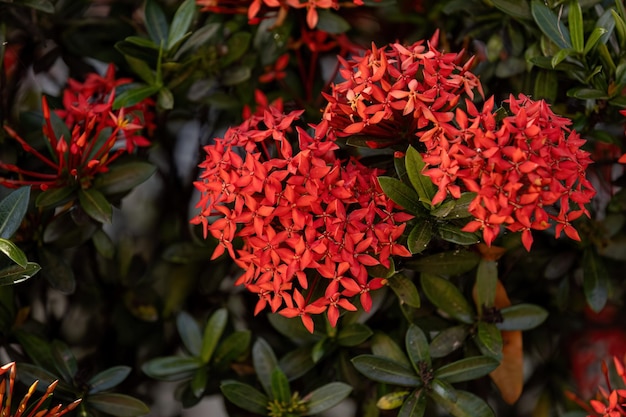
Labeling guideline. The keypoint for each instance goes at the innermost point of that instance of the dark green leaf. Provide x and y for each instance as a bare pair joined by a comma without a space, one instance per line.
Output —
421,183
189,332
326,397
353,334
550,24
560,56
416,346
381,369
118,405
420,236
171,368
30,373
64,360
446,263
181,22
546,85
447,297
620,27
57,270
297,362
405,290
331,22
605,26
383,345
236,75
414,405
54,197
595,280
466,369
380,271
124,177
587,93
95,205
186,252
514,8
104,245
264,361
522,317
322,348
292,329
575,21
165,99
156,23
108,378
141,68
198,38
42,5
212,333
401,194
236,45
245,396
37,348
134,95
281,391
232,347
70,229
486,283
393,400
12,210
15,274
454,234
134,53
198,382
489,340
13,252
464,405
448,340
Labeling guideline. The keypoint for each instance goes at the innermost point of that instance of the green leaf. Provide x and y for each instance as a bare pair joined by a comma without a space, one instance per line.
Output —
156,22
546,85
30,373
57,270
232,347
401,194
236,75
212,333
135,50
197,39
15,274
124,177
620,27
414,405
95,205
12,210
321,348
103,243
64,360
447,297
264,361
326,397
331,22
448,340
416,346
165,99
280,386
385,346
587,93
381,369
189,332
489,340
446,263
514,8
420,236
522,317
467,369
575,21
181,23
108,378
54,197
550,25
236,47
141,68
560,56
14,253
171,368
132,96
42,5
405,290
486,283
119,405
593,39
198,382
421,183
297,362
595,280
353,334
465,404
393,400
245,396
454,234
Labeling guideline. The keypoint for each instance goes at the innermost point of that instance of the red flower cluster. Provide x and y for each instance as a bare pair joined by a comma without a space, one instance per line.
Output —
96,134
518,166
308,220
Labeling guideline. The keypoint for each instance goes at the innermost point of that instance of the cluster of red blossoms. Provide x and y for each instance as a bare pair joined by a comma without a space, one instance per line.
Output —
95,134
519,167
309,222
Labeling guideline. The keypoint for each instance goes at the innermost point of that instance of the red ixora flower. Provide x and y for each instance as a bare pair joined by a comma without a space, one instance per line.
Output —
95,135
528,170
306,218
7,374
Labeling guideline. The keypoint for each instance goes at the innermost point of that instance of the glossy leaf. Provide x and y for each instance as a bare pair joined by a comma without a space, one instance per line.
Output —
297,362
420,236
414,405
233,347
385,346
264,361
141,68
466,369
454,234
13,252
401,194
486,281
560,56
489,340
550,25
620,27
416,346
95,205
392,400
64,359
189,332
326,397
30,373
55,197
198,382
522,317
171,368
353,334
15,274
405,290
245,396
108,378
421,183
134,95
181,22
448,340
381,369
459,403
156,23
446,263
280,386
446,297
12,210
595,280
212,333
124,177
119,405
198,38
575,21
